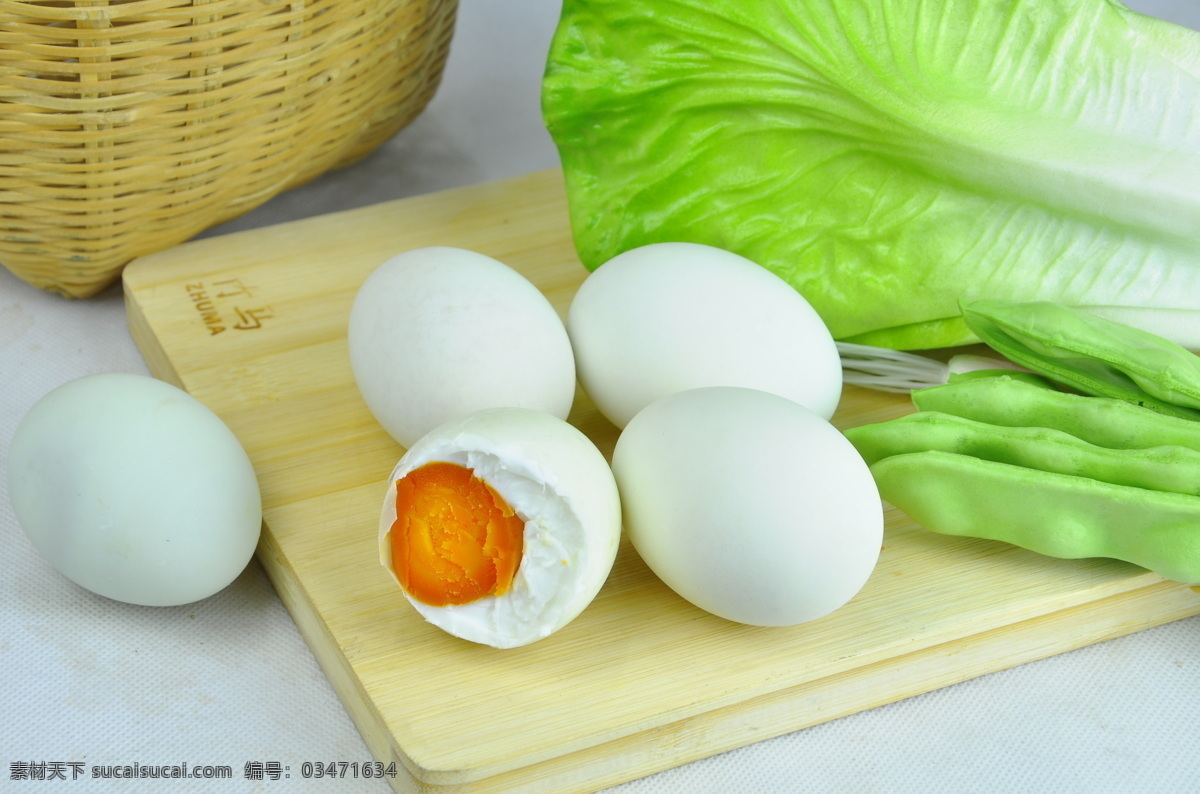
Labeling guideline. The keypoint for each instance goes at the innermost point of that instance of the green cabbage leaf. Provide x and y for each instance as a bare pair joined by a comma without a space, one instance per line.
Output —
891,158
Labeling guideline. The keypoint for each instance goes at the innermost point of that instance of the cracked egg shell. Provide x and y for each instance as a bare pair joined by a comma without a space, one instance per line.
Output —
447,540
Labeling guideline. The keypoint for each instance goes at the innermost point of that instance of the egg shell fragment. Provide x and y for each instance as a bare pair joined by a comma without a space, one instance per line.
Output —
748,505
135,490
667,317
560,484
440,332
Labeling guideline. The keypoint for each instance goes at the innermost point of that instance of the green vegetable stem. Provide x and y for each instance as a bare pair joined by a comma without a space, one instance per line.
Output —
883,369
889,158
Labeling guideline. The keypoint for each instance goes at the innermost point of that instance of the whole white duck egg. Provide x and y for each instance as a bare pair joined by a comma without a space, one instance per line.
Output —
748,505
135,490
440,332
666,317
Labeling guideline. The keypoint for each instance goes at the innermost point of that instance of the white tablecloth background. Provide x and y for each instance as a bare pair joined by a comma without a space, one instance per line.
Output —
229,680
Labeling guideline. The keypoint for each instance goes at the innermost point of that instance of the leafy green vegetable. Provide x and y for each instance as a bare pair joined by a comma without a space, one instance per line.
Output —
891,157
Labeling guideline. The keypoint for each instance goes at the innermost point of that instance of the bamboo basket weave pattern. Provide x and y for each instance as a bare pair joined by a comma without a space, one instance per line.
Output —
128,126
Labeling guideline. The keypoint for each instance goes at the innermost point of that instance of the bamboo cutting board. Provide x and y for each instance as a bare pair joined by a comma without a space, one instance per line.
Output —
253,324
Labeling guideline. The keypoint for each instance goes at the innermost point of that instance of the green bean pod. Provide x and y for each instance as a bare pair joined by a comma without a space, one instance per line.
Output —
1168,468
978,374
1105,422
1058,515
1096,356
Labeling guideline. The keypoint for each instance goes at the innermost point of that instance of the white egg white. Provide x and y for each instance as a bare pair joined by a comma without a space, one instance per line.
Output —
748,505
559,483
667,317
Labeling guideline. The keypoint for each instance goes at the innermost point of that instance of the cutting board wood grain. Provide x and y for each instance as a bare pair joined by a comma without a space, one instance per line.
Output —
253,324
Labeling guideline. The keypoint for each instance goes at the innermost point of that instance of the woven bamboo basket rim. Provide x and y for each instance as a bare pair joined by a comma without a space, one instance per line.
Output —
128,126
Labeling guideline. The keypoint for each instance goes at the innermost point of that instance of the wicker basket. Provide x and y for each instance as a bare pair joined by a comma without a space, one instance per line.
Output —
127,126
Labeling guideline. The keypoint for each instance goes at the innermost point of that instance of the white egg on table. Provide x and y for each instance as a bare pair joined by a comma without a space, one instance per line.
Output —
748,505
135,490
501,526
666,317
440,332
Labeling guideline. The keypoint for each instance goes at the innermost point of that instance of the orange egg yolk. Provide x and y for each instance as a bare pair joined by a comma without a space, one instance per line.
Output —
455,540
